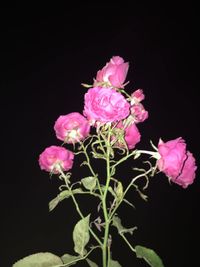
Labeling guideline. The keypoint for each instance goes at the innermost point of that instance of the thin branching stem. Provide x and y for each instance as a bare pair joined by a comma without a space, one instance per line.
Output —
127,189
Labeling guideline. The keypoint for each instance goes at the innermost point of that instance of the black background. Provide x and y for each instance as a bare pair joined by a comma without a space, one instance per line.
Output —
45,56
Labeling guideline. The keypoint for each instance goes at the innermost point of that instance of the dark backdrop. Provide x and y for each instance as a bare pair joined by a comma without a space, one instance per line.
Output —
45,56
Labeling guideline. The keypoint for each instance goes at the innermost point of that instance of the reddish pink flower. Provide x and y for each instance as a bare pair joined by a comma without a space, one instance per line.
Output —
113,73
131,135
55,157
139,113
177,163
137,96
72,127
187,174
105,105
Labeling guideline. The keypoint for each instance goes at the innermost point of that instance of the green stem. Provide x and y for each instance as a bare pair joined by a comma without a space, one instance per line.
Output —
124,92
77,207
104,204
109,256
134,152
136,178
100,142
152,153
91,169
105,244
79,259
127,242
88,161
124,158
127,189
89,193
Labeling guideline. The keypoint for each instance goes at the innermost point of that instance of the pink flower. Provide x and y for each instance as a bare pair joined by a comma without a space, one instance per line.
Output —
177,163
139,113
137,96
173,154
187,174
55,157
113,73
105,105
131,135
72,127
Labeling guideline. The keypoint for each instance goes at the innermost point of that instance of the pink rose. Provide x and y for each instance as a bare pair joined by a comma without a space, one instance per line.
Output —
55,157
173,154
131,135
139,113
72,127
105,105
113,73
187,174
177,163
137,96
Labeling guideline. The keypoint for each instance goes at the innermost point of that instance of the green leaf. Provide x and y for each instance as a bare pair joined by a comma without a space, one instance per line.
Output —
91,263
142,195
70,259
111,191
97,155
89,182
121,229
86,85
129,203
114,264
81,235
45,259
64,194
136,155
149,256
119,191
54,202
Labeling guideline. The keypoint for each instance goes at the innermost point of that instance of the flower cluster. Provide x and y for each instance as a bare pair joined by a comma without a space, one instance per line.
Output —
105,103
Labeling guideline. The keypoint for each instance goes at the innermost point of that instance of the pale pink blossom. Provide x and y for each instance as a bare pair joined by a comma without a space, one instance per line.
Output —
105,105
139,113
131,135
54,158
72,127
137,96
177,163
113,73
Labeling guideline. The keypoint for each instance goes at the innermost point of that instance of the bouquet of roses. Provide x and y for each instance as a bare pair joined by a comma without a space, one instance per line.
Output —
107,130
